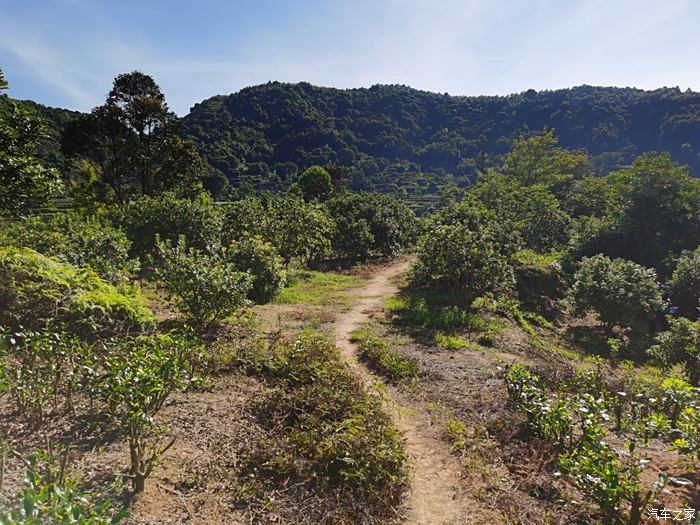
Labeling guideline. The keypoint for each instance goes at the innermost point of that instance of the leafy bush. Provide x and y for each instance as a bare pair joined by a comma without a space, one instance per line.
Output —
609,481
620,292
52,501
335,432
300,230
384,359
138,377
606,477
680,344
168,217
83,241
41,369
315,183
455,257
548,419
370,223
205,288
261,260
684,285
676,394
36,290
689,429
244,217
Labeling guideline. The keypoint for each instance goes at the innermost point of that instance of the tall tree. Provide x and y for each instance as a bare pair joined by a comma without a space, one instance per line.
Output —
138,104
134,140
25,183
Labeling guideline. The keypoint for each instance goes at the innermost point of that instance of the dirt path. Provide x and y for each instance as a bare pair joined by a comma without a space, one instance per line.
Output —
437,494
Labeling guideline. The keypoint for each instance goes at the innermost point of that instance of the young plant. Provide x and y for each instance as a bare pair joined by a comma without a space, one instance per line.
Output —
139,376
40,370
689,429
51,496
676,394
549,419
609,481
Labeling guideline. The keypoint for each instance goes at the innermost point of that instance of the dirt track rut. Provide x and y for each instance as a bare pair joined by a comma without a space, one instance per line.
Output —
437,495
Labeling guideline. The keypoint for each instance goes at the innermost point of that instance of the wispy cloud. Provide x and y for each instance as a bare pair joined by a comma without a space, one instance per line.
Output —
74,48
49,67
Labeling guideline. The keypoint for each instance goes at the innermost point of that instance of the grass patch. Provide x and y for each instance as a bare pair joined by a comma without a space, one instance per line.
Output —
384,359
434,310
451,342
537,260
539,320
324,289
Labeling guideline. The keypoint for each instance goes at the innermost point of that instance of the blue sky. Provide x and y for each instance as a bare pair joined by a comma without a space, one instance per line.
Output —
67,52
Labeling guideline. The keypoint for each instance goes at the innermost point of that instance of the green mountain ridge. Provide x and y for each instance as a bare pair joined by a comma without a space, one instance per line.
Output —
397,139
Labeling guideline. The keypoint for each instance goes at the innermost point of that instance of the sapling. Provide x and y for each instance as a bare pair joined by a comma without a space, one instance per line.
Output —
688,442
140,375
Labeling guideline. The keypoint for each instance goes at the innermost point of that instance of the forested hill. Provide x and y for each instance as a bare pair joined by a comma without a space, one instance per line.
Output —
55,120
405,141
394,138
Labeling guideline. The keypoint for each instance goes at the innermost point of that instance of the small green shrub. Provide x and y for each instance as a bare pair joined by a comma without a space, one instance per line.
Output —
676,394
36,291
261,260
138,377
607,478
684,285
205,288
620,292
167,217
83,241
384,359
42,370
688,442
609,481
680,344
370,224
335,433
550,419
57,500
458,258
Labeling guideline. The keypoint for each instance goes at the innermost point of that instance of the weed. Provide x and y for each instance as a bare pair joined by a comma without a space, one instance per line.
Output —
384,359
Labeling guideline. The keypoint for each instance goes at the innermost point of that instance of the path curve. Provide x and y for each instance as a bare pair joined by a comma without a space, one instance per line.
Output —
437,495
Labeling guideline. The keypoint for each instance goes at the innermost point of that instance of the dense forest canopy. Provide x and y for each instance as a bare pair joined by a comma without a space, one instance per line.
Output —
412,143
398,139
